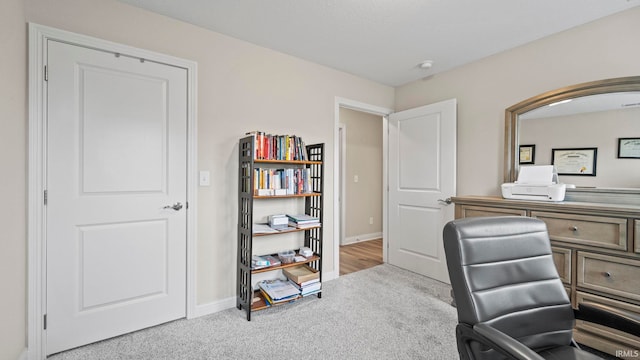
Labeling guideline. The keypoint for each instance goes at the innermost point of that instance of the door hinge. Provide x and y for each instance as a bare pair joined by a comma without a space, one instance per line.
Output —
46,197
46,73
45,321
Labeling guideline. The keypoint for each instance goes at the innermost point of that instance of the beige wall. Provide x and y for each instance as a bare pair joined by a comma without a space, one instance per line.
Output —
241,87
13,125
363,159
484,89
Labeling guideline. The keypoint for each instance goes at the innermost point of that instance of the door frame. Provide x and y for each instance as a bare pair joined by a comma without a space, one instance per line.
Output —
342,135
338,216
37,155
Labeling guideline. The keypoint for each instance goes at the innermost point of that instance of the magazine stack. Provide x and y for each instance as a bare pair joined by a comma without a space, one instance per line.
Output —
304,278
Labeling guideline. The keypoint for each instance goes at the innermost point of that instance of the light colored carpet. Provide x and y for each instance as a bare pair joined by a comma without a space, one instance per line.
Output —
380,313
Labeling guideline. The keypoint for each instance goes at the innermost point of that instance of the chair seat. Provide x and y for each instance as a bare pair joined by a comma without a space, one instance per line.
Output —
567,353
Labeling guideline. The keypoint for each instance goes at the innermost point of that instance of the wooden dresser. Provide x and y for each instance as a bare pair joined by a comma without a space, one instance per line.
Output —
596,249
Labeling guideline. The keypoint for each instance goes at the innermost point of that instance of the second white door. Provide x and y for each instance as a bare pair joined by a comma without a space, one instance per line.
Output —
116,166
422,168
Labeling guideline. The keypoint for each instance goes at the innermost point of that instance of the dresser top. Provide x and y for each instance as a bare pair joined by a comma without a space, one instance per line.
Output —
562,206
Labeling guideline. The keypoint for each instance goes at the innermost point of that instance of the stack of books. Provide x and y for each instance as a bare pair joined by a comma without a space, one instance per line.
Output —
306,279
280,182
278,291
303,221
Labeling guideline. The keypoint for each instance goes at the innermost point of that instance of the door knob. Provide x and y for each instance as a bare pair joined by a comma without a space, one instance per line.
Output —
177,206
446,201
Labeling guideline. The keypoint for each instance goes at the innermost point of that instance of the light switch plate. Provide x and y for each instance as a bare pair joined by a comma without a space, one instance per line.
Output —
205,178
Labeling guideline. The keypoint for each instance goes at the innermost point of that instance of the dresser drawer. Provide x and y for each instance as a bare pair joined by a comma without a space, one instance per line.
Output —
605,232
562,260
478,211
601,337
609,274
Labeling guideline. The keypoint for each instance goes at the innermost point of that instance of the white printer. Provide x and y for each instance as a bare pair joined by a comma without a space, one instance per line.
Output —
535,182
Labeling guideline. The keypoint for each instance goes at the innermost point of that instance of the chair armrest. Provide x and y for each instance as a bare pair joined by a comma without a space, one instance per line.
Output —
497,340
609,316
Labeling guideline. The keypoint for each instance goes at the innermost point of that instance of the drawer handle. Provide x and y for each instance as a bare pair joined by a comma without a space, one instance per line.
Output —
606,274
573,228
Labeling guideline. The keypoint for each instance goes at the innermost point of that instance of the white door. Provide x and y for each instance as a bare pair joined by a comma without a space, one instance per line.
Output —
116,156
422,168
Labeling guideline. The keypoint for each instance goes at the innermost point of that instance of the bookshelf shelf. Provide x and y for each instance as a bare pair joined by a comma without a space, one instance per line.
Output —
289,230
312,167
287,162
282,266
285,196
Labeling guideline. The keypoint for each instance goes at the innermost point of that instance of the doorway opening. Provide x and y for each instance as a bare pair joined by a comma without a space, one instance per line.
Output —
361,163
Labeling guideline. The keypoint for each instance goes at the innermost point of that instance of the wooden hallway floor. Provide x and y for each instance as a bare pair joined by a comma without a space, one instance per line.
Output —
360,256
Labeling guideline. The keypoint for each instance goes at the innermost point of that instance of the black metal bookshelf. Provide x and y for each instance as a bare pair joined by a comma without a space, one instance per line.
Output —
246,200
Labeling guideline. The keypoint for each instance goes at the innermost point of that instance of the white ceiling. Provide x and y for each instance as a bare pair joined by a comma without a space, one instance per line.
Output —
586,104
384,40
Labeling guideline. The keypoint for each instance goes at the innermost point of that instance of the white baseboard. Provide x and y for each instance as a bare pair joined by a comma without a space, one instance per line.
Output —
362,237
213,307
328,276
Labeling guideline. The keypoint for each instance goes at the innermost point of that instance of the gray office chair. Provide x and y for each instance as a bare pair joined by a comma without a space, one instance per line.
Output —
511,303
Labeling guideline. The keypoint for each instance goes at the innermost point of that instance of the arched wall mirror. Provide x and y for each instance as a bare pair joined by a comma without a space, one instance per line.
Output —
594,125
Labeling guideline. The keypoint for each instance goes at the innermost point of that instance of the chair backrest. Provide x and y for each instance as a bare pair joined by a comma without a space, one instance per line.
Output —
502,273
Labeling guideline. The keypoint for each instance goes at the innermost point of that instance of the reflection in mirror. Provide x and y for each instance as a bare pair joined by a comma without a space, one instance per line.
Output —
588,115
595,121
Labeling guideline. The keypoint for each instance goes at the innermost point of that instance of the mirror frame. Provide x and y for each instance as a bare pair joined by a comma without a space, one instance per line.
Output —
512,142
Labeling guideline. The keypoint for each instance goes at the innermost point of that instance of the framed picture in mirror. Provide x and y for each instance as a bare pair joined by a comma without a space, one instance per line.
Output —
527,154
628,148
577,161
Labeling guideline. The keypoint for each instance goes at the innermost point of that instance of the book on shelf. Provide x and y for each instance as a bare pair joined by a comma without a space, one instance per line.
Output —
304,226
310,293
308,287
278,147
270,182
278,290
303,221
311,289
269,301
306,284
302,218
